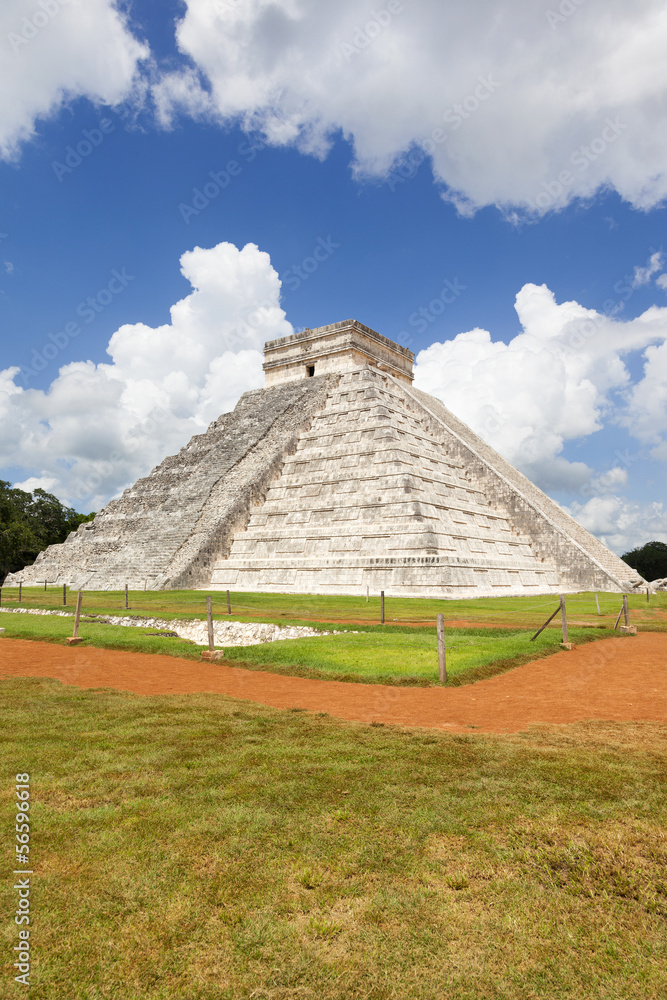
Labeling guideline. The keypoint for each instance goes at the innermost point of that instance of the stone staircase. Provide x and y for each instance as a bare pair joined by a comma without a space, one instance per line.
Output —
167,530
336,477
381,493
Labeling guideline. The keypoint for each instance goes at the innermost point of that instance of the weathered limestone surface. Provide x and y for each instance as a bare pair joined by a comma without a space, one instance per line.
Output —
388,490
554,534
339,347
337,476
169,528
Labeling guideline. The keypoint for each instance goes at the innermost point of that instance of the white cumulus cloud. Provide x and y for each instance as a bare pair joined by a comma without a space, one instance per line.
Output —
609,481
560,379
55,51
622,524
99,427
646,411
643,275
514,107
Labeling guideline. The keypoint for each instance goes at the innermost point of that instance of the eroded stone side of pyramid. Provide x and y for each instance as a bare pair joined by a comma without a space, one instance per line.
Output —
388,490
168,529
337,476
551,528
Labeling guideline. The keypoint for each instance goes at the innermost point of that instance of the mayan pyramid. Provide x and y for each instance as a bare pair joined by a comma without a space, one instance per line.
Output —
338,475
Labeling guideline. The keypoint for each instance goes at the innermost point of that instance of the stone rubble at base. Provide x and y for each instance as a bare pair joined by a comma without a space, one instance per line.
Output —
336,477
227,633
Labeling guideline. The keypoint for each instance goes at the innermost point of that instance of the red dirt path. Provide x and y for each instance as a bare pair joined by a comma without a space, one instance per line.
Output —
621,679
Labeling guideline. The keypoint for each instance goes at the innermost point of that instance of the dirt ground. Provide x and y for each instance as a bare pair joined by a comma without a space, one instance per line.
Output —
620,679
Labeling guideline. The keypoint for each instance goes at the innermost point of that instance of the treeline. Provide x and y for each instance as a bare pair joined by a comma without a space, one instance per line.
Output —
650,560
28,523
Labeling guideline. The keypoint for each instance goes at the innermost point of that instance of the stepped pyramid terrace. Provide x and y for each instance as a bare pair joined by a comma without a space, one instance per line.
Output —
338,475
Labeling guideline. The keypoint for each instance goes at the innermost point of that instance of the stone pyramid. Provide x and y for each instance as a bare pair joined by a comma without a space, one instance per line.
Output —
338,475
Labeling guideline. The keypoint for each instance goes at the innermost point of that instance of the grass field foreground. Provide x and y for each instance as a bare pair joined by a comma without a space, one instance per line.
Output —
213,850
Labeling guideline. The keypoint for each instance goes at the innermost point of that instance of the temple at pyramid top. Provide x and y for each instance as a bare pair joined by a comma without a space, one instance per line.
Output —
338,347
338,476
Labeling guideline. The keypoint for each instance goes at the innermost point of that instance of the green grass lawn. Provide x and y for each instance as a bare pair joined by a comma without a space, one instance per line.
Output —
208,849
53,628
303,608
387,654
406,656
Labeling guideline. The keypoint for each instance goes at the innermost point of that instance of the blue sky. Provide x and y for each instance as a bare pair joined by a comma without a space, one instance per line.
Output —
493,199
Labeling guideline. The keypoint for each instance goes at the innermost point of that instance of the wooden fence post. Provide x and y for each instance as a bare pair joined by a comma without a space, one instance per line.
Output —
627,629
442,655
382,607
77,613
20,589
64,595
647,595
597,602
75,640
229,604
45,585
126,598
209,620
563,619
367,594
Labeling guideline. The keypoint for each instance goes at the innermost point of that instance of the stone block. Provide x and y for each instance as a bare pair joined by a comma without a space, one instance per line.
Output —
290,546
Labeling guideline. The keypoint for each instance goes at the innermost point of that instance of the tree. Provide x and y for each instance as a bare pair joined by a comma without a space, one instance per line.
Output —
29,522
650,560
